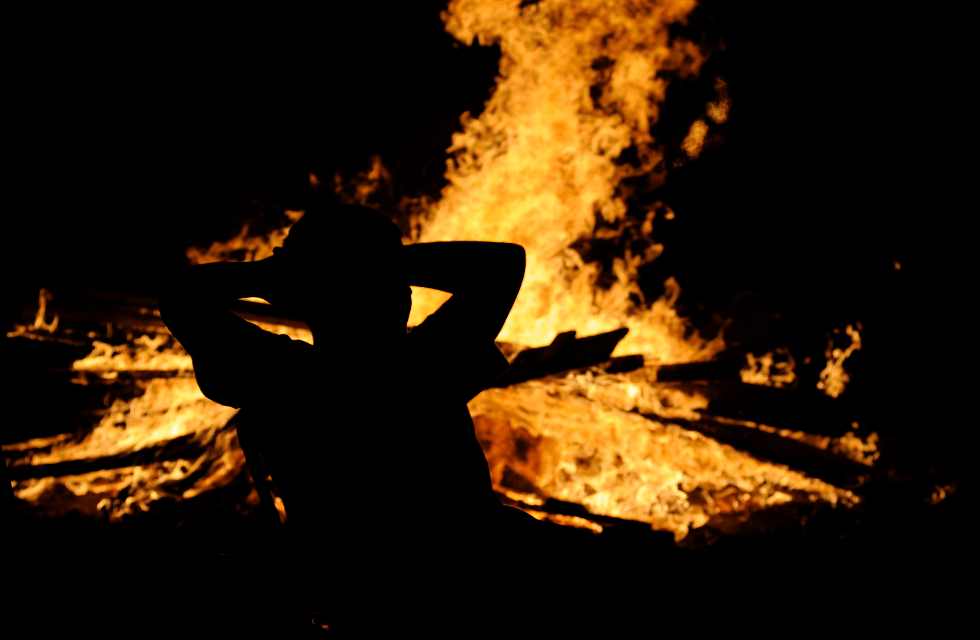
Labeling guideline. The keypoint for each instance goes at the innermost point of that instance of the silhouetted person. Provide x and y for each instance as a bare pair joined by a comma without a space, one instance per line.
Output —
366,434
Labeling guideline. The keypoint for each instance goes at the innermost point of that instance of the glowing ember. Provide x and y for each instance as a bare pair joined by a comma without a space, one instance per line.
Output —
864,451
718,110
769,372
39,323
694,141
833,378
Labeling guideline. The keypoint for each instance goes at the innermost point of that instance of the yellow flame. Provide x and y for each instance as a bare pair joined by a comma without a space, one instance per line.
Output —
117,492
425,302
561,444
539,163
169,408
39,323
253,247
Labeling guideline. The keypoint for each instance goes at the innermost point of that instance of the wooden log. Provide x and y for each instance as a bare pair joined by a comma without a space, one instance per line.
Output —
771,446
611,526
784,408
90,310
623,364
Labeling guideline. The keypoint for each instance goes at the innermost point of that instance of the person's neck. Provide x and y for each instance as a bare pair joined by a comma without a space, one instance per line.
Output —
361,340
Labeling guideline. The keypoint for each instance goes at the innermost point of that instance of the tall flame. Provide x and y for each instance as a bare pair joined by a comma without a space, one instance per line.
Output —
578,85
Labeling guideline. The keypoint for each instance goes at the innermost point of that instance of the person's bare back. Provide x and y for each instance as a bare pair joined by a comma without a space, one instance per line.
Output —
365,434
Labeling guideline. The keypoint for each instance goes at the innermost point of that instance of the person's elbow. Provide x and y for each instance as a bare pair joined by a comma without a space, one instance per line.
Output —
176,315
223,391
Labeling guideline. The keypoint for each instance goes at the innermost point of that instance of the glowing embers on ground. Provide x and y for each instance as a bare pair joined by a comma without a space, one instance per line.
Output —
583,441
577,437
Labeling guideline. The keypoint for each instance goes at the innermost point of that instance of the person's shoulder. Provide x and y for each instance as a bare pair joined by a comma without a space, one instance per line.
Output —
281,358
458,365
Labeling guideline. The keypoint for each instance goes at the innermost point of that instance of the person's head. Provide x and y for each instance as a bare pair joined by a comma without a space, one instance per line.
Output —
345,261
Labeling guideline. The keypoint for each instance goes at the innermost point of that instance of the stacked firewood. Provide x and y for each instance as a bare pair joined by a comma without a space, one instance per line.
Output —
808,433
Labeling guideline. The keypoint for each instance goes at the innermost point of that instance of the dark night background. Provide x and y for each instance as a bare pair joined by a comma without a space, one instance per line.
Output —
129,138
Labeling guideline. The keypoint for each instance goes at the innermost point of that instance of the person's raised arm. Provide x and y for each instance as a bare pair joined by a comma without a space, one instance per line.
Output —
484,278
194,306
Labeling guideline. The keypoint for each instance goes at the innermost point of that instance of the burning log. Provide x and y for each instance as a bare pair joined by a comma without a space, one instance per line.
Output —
180,448
812,413
575,515
554,438
811,460
722,367
567,352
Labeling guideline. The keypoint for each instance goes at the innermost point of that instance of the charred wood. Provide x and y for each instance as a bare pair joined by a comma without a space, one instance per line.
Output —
723,367
30,412
83,398
86,311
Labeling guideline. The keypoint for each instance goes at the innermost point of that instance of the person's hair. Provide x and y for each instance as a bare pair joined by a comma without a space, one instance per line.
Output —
345,228
353,246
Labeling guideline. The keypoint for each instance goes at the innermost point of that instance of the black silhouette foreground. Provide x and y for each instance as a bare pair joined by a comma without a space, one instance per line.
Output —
393,523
